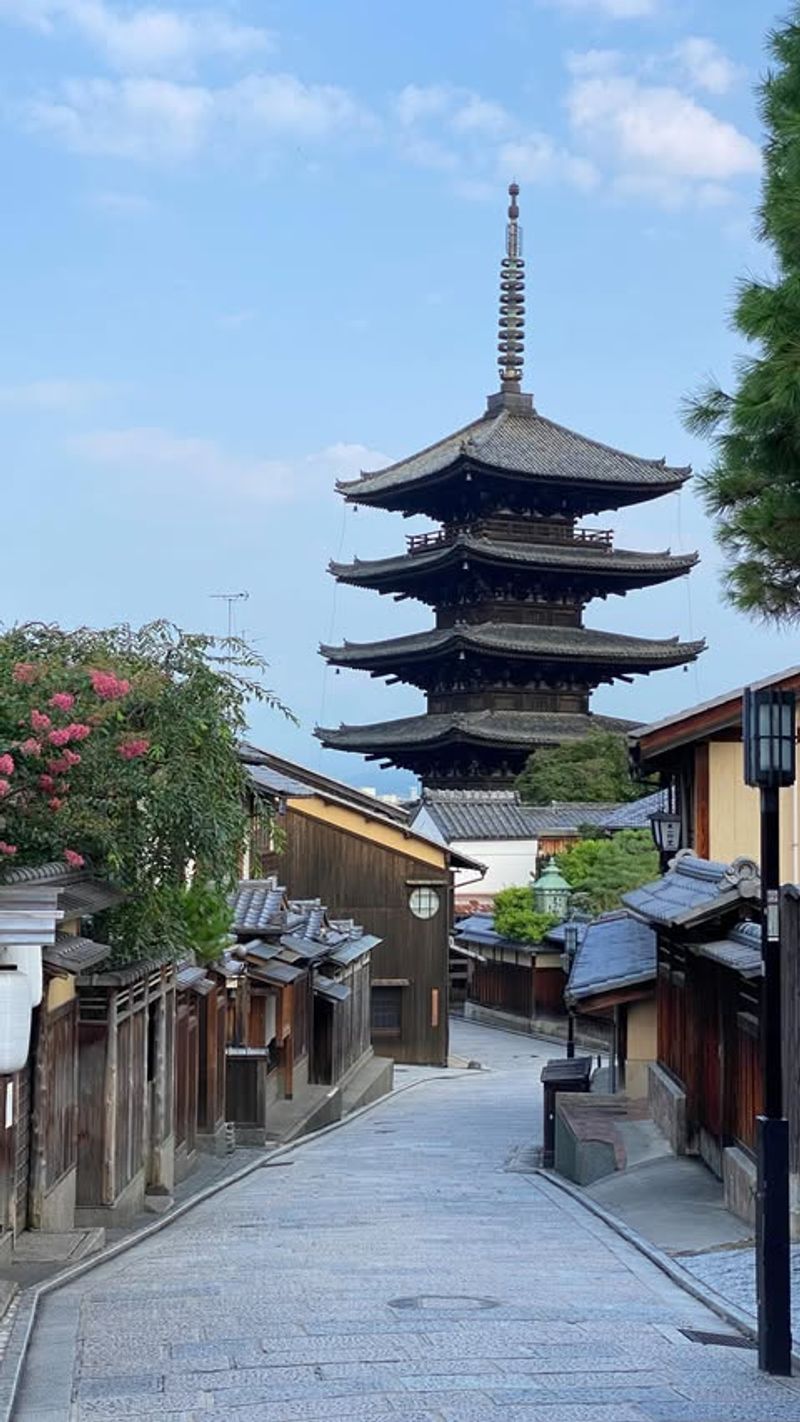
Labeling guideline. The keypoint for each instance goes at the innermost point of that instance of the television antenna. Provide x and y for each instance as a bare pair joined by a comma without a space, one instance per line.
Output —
230,599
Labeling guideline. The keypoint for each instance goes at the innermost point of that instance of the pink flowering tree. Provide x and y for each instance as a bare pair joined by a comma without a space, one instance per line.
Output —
119,748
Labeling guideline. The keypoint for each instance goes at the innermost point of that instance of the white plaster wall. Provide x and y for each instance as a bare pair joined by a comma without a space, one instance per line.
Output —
509,862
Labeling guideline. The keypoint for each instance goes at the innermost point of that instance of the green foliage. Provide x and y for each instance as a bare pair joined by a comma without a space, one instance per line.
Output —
207,918
600,871
753,486
141,820
595,768
515,917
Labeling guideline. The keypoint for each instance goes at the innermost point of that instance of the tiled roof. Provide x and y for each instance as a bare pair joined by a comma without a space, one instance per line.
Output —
577,557
500,814
615,952
520,640
478,814
478,930
275,782
259,906
527,444
73,954
80,895
512,728
740,950
635,814
694,890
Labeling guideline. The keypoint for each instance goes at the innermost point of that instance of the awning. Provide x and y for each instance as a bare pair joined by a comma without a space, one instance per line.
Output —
327,987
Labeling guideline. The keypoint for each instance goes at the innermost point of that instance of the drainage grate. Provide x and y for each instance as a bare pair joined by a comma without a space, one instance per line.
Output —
717,1340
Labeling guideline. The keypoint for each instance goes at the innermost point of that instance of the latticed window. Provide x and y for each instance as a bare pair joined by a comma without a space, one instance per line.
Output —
387,1011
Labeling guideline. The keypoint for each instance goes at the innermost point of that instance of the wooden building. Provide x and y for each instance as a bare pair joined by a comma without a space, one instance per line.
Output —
525,981
126,1078
509,664
365,858
299,1004
612,980
705,1087
39,1143
697,753
212,1014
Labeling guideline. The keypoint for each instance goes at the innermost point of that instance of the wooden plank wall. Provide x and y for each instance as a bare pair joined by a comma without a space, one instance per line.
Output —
359,879
211,1070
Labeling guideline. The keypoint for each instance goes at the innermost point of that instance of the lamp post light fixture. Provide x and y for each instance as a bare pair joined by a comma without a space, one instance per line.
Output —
768,736
551,892
665,827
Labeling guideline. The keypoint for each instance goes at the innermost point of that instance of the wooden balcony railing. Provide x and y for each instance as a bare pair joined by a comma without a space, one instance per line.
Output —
599,538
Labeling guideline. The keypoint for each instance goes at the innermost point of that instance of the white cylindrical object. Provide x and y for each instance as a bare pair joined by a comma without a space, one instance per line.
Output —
15,1020
27,957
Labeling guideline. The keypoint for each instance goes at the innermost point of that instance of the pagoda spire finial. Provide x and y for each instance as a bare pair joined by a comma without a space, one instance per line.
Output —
511,331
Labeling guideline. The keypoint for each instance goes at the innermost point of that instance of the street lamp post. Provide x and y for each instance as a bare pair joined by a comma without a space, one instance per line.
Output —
570,949
768,734
665,827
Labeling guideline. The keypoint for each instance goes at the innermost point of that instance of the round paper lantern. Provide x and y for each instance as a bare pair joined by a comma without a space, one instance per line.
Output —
15,1020
27,957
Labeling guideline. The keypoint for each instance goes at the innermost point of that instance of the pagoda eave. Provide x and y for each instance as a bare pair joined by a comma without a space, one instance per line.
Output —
510,729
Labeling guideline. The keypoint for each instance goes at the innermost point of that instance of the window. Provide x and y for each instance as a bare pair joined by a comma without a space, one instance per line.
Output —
387,1011
424,902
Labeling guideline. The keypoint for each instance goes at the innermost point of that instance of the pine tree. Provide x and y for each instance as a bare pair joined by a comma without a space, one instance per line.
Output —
753,487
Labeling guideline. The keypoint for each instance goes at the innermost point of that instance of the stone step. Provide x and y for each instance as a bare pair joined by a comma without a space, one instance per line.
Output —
67,1246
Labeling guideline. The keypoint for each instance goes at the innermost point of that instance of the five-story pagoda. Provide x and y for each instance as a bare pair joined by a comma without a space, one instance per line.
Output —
508,665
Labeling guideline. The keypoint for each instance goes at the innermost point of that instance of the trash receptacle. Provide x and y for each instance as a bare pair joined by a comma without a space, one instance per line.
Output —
563,1074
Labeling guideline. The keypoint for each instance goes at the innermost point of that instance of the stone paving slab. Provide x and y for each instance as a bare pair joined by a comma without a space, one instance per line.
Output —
397,1272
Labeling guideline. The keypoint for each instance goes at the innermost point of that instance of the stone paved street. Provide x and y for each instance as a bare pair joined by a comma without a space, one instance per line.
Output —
395,1271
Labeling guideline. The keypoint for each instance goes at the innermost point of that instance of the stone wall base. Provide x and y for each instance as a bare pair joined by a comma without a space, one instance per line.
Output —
128,1204
739,1184
668,1107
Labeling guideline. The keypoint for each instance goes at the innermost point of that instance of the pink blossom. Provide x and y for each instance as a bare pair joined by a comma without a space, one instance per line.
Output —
31,746
75,860
40,721
58,767
78,731
108,686
60,737
6,765
131,750
63,700
72,757
24,673
7,849
46,782
55,803
5,788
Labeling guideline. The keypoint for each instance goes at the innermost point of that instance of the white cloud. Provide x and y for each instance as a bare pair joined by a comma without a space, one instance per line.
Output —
56,395
478,142
182,463
655,137
609,9
148,39
705,65
156,120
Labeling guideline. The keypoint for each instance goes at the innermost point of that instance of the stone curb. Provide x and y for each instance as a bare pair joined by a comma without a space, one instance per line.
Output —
27,1301
744,1322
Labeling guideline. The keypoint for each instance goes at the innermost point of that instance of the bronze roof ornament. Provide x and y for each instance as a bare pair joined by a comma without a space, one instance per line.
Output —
511,332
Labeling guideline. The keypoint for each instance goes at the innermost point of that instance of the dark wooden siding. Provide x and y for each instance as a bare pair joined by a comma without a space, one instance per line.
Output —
548,989
364,880
506,986
211,1069
60,1107
186,1071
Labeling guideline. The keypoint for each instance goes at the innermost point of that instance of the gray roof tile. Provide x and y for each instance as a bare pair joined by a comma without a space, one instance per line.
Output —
694,890
578,557
615,951
514,728
635,814
527,444
521,639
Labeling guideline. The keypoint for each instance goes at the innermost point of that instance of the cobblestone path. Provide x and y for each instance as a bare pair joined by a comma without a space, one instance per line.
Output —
395,1271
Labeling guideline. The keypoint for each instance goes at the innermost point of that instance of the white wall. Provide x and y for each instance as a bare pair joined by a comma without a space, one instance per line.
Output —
508,862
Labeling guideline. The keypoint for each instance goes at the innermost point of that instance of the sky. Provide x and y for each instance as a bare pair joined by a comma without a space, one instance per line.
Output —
249,248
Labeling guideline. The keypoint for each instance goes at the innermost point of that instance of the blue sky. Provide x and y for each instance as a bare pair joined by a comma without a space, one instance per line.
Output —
249,248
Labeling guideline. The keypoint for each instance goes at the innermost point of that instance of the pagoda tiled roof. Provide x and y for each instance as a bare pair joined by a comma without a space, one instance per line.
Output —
499,728
521,442
571,557
576,644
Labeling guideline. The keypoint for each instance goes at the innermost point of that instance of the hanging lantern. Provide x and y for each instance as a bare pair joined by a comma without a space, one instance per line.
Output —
15,1020
27,957
551,892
